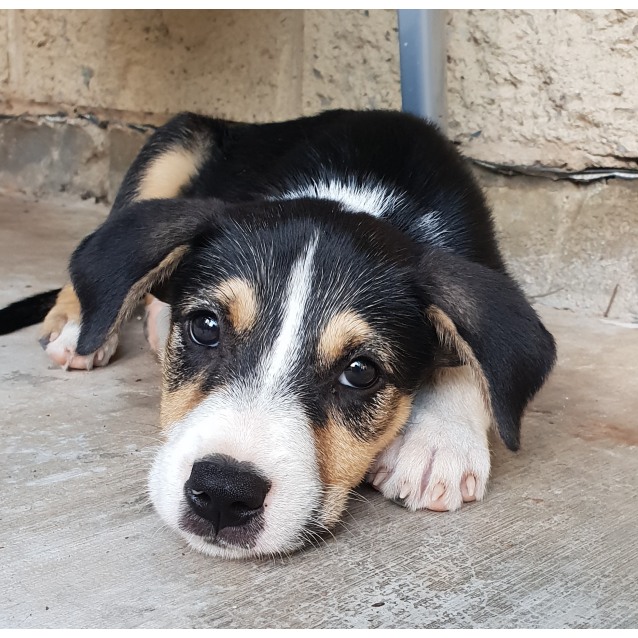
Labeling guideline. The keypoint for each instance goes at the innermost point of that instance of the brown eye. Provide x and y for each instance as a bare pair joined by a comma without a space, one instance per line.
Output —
360,374
204,330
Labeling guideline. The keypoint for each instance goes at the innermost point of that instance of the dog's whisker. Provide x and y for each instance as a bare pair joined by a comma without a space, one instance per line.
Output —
357,496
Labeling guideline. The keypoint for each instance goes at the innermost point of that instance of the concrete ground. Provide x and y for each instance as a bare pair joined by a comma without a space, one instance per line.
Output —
554,544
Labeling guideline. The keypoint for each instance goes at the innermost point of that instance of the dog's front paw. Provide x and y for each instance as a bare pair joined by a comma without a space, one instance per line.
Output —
61,350
60,333
436,466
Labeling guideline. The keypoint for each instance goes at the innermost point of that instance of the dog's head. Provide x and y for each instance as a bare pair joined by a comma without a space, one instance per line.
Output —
299,334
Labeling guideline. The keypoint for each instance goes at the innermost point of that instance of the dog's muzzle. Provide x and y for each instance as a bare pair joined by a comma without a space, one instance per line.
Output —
225,499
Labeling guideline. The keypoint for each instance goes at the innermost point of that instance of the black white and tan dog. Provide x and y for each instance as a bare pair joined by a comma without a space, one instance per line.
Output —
329,304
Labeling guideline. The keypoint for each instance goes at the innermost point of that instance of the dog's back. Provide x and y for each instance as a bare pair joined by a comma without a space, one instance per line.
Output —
387,164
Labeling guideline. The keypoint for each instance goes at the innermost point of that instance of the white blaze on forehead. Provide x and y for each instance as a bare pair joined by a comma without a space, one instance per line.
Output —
288,342
254,421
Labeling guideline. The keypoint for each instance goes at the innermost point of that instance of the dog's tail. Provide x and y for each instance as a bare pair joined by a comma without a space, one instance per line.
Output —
27,311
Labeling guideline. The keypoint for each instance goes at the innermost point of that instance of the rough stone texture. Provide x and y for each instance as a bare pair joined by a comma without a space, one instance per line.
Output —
165,61
524,87
350,60
541,86
574,241
248,65
549,87
43,157
553,544
4,50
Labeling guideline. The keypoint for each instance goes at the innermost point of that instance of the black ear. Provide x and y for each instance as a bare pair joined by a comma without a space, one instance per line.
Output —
482,315
133,250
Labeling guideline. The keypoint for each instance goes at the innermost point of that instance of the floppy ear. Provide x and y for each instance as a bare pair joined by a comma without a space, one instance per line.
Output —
482,316
133,250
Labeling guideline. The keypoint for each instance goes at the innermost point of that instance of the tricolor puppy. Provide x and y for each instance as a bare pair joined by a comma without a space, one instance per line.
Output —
334,307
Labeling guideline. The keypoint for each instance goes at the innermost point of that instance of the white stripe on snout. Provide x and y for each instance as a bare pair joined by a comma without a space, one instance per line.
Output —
288,342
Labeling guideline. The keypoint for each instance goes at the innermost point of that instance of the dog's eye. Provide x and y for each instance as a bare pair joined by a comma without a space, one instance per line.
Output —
360,374
204,330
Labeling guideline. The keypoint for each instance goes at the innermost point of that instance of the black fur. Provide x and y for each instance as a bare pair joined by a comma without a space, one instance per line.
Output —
359,263
128,245
437,215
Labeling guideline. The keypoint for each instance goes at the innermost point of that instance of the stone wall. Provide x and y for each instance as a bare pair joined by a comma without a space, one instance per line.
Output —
555,88
81,90
248,65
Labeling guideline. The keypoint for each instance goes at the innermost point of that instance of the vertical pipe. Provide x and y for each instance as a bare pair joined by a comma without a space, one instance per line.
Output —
423,63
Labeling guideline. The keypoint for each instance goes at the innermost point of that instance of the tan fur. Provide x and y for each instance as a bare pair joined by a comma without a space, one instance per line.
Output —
177,404
67,308
344,330
344,458
241,303
167,174
449,336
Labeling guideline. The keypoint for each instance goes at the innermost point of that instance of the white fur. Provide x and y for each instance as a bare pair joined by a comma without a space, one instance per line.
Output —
286,346
273,434
372,198
66,341
434,230
444,442
62,349
257,420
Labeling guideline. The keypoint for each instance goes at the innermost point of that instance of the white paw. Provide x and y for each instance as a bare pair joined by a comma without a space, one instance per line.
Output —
61,349
435,465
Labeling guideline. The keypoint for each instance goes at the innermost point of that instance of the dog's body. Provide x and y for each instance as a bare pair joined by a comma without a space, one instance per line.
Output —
338,306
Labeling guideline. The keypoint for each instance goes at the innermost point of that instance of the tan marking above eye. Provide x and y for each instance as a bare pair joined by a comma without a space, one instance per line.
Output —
238,296
344,330
169,172
344,458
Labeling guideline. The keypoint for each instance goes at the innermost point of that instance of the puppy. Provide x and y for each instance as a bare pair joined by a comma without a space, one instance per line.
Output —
329,304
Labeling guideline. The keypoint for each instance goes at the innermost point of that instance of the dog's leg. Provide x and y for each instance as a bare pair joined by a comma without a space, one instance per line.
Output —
165,166
157,322
442,458
60,332
61,329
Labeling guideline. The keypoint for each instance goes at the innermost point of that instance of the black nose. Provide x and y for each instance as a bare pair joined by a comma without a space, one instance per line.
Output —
224,491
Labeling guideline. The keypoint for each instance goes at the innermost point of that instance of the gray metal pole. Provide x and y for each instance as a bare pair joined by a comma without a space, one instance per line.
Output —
423,63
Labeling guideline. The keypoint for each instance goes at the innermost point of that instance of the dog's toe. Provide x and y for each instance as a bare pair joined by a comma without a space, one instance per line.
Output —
437,501
468,488
435,473
382,467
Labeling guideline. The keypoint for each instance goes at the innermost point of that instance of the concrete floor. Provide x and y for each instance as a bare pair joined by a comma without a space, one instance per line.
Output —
555,543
